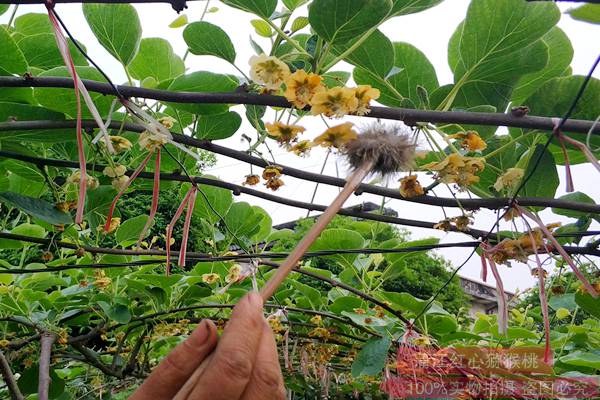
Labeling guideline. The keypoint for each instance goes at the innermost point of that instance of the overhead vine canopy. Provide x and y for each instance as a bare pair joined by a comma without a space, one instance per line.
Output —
114,244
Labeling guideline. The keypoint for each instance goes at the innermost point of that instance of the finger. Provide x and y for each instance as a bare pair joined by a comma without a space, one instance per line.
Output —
179,365
266,375
229,370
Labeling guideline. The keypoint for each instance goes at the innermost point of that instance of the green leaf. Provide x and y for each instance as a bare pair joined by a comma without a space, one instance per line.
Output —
204,38
411,69
24,170
340,21
582,224
368,320
25,112
497,164
63,100
299,23
397,261
117,27
339,239
507,26
262,8
265,225
219,199
156,59
544,175
566,301
375,55
180,21
587,13
37,208
485,71
97,204
345,303
335,78
262,28
405,302
40,51
117,313
588,303
32,24
404,7
293,4
32,230
218,126
12,59
577,197
372,357
203,81
560,54
582,359
243,220
553,99
312,294
130,229
4,8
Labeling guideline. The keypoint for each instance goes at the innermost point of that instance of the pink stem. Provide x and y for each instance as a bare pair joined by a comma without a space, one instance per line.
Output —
111,210
560,250
500,296
186,226
66,55
570,186
172,224
584,149
483,267
155,195
543,299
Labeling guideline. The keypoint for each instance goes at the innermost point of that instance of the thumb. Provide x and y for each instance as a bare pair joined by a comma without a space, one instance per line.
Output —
172,373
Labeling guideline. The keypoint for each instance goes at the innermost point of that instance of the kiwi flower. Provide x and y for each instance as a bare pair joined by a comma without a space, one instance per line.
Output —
458,169
285,134
210,278
335,102
509,179
302,148
471,141
301,87
251,180
268,71
410,187
336,136
364,94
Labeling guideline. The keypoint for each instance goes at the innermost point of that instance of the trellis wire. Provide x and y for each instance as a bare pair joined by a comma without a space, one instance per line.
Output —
467,204
352,211
408,115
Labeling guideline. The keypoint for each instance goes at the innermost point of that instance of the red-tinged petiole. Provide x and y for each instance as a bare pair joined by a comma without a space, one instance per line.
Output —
155,196
171,225
560,250
125,187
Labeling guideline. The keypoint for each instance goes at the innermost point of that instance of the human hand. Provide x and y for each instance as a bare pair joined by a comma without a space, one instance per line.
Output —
244,364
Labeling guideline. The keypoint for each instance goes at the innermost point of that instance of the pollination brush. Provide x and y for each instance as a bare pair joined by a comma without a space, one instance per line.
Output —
379,149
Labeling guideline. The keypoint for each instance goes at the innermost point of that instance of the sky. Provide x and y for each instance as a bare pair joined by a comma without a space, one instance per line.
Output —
429,31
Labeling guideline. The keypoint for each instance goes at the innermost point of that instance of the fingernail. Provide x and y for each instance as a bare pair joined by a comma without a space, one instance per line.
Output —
255,299
201,332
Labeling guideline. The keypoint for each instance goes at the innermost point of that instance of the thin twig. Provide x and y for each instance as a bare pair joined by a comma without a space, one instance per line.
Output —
9,379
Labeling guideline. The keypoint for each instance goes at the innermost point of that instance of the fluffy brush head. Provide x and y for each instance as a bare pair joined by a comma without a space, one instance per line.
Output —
388,147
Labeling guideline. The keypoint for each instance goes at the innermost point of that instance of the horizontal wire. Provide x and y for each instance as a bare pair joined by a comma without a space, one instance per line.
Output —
353,211
408,115
204,257
465,203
